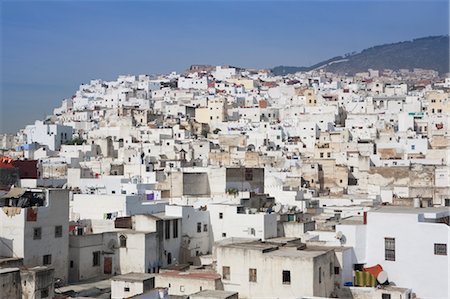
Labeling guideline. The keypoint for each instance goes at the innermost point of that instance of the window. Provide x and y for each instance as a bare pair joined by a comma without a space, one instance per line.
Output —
252,275
199,227
126,289
413,146
71,264
331,269
321,155
286,277
96,258
249,174
167,223
37,231
175,228
58,231
220,215
328,155
205,227
47,259
389,249
224,235
336,270
44,293
226,273
440,249
320,274
385,296
123,241
169,258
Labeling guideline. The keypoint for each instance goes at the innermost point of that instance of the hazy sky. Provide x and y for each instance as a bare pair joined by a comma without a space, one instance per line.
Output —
49,48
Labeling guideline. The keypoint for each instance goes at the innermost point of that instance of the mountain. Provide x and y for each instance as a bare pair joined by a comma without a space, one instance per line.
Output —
427,53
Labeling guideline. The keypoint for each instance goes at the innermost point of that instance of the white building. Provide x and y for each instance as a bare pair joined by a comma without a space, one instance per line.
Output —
34,225
52,135
275,269
407,243
235,221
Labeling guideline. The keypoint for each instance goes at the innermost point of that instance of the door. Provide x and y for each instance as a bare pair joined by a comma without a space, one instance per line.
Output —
107,265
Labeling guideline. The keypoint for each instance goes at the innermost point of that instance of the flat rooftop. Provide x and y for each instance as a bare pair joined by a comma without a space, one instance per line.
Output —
206,275
8,270
428,212
213,294
283,247
163,216
293,252
133,277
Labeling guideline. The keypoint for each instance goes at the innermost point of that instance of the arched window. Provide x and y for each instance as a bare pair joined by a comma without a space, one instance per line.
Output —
123,241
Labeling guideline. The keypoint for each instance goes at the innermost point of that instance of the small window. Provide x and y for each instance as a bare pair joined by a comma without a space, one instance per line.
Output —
220,215
175,228
226,273
96,258
199,227
167,229
286,277
331,269
320,274
126,289
58,231
252,275
440,249
385,296
336,270
224,235
389,249
37,232
47,259
71,264
182,289
123,241
205,227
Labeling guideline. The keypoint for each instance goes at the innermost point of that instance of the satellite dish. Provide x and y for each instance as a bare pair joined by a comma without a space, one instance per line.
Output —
382,277
284,209
277,208
339,235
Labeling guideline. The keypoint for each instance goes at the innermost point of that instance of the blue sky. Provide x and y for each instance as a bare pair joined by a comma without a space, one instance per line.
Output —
49,48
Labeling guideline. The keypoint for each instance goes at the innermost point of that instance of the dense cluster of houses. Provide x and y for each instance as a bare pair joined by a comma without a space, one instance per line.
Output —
225,182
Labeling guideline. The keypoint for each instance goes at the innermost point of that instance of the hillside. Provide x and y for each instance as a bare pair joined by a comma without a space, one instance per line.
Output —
427,53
